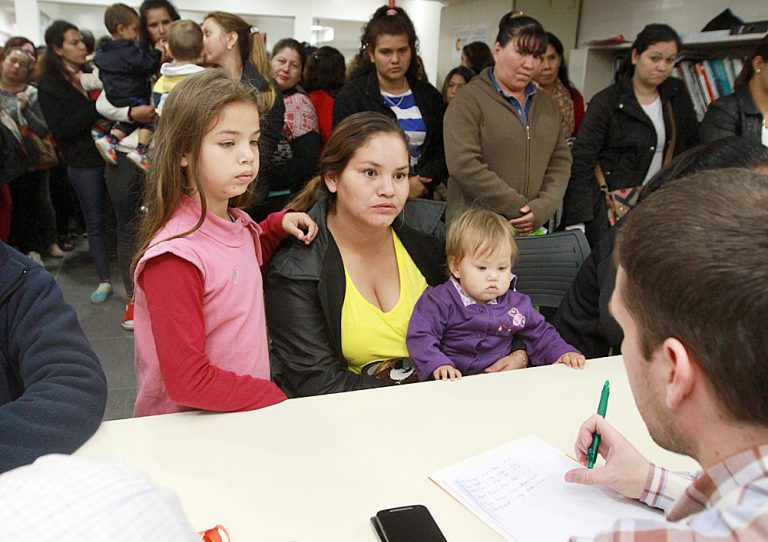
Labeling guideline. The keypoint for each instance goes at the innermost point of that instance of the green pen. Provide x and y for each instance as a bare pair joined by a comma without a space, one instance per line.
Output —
602,408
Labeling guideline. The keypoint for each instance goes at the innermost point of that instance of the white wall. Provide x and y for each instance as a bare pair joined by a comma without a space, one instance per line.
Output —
604,18
7,21
286,18
479,15
557,16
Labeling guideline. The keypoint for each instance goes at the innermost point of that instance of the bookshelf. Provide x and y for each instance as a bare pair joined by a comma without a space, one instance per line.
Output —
591,68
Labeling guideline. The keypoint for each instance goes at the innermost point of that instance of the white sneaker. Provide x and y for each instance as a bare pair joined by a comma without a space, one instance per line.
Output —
101,293
106,147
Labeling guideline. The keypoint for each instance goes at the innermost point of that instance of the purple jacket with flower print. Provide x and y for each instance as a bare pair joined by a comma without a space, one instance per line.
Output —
445,330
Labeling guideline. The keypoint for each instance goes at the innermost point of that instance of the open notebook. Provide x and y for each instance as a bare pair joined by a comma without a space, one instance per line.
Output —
518,490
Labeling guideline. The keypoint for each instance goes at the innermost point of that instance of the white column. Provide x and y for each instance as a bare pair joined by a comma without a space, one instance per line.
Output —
28,20
302,23
425,15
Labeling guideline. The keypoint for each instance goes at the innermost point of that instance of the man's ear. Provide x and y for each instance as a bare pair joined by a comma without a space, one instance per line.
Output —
681,371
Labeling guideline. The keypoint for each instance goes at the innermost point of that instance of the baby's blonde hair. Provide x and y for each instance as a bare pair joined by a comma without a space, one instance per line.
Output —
479,231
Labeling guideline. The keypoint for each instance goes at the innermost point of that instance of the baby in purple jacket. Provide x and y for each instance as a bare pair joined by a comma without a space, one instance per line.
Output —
467,325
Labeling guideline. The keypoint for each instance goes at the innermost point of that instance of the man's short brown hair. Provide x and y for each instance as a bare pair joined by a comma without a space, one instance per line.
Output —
695,255
185,40
118,14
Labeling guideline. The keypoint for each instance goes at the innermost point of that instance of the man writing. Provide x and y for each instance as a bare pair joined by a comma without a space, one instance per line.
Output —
692,299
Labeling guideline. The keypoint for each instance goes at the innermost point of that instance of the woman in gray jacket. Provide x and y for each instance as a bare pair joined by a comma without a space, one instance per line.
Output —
33,222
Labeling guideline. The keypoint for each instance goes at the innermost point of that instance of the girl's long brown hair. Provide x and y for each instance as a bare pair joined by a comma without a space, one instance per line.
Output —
251,47
190,111
351,134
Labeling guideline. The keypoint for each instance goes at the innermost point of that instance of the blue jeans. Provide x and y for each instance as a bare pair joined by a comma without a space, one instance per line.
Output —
91,193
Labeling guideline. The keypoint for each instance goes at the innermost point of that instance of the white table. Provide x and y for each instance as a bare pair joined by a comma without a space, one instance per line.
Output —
319,468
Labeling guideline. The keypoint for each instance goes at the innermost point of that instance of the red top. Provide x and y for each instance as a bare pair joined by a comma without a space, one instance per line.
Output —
323,103
190,378
578,109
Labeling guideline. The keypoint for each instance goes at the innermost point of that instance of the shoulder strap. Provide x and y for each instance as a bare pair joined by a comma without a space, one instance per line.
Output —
600,178
673,134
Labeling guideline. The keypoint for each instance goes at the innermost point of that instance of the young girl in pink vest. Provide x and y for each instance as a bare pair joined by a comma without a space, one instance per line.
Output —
201,340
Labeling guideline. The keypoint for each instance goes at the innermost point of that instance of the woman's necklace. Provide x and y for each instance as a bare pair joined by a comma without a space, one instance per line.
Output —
394,103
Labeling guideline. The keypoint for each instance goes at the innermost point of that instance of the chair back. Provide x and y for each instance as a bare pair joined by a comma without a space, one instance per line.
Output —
547,264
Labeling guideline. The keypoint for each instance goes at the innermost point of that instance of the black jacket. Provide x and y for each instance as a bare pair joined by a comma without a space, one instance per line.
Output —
70,114
734,115
617,132
52,388
364,94
13,159
583,319
304,292
271,124
126,69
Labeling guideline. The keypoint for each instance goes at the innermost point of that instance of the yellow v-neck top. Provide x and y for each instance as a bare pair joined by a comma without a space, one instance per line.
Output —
367,333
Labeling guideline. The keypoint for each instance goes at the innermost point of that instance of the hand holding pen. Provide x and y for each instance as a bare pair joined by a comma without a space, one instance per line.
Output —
625,469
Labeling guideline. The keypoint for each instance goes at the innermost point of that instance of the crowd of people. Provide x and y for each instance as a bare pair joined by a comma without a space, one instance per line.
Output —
286,230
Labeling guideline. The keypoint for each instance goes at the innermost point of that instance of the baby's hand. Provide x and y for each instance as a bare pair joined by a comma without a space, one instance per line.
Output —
516,360
574,360
301,226
446,372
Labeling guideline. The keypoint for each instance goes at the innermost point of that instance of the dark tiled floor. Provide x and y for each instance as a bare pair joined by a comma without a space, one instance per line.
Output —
114,346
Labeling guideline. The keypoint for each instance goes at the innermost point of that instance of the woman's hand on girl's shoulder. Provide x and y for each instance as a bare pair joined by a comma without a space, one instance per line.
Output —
300,225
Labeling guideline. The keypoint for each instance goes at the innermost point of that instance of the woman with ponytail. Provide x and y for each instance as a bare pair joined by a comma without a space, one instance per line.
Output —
232,44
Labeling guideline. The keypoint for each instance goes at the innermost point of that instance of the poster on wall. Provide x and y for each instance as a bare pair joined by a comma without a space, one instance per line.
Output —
467,34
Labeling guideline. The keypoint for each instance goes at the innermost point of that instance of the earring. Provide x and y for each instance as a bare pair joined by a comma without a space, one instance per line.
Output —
229,47
757,70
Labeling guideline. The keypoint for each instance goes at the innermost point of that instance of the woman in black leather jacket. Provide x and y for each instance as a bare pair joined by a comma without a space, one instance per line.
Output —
742,113
618,132
359,203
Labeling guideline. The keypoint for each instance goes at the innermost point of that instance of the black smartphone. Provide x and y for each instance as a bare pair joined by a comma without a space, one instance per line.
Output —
407,524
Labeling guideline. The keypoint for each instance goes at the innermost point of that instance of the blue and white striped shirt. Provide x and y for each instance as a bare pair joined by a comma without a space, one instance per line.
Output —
410,120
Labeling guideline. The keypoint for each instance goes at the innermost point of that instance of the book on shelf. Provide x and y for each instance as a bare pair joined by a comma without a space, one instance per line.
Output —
707,79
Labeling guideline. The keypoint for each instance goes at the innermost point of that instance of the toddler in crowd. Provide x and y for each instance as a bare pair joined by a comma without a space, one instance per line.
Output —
466,326
185,45
200,335
126,68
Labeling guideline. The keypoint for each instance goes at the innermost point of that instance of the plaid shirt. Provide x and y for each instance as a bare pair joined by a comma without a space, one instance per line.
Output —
727,503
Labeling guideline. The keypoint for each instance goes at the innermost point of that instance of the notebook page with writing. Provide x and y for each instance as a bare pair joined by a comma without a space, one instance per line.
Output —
518,489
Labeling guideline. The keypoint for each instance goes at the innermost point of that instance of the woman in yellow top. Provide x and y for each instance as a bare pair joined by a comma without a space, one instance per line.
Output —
339,307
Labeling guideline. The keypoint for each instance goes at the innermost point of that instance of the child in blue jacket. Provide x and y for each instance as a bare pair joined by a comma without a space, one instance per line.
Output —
126,68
